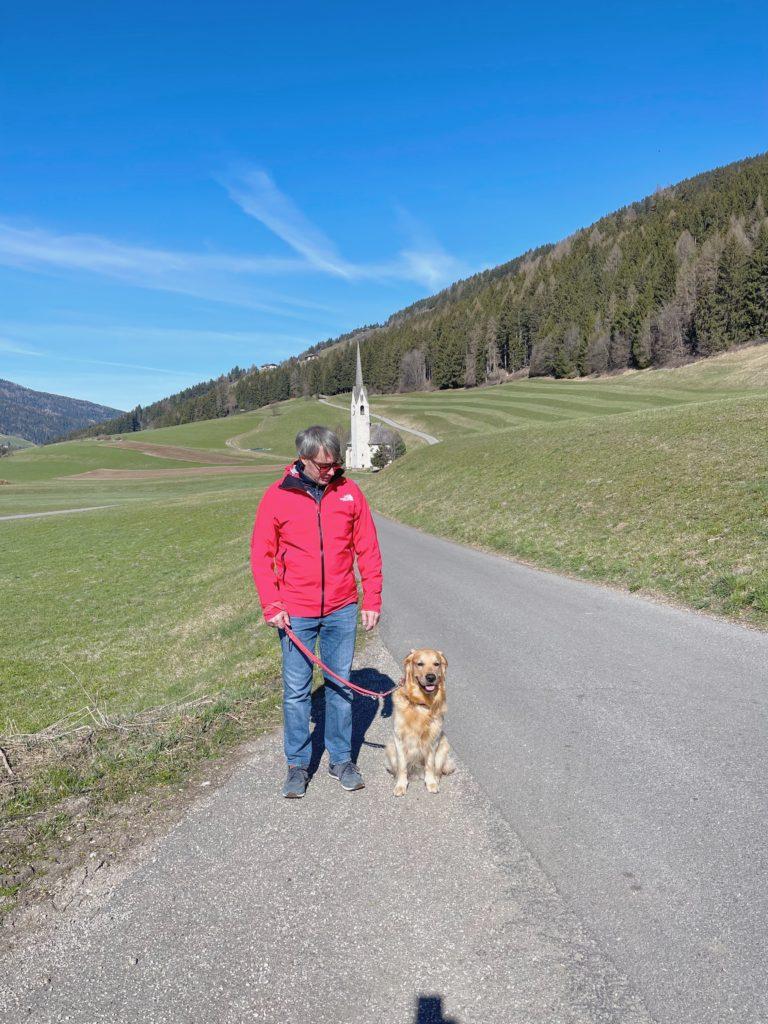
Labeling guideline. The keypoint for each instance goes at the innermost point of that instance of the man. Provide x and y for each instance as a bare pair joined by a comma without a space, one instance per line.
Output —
309,528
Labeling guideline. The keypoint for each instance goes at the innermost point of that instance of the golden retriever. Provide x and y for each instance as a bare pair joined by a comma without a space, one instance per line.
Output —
418,713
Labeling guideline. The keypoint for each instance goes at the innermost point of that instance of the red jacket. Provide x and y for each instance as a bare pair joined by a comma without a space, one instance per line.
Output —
303,550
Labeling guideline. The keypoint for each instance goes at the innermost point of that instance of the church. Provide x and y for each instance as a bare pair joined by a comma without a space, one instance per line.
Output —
360,451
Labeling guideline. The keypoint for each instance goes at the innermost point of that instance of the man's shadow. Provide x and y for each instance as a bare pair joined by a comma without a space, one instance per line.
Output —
429,1010
364,711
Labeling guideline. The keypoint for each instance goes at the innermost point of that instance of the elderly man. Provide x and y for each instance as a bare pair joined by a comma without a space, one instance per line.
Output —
309,527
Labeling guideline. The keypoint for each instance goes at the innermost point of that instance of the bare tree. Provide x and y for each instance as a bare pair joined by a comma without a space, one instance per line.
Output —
597,350
492,349
413,373
668,334
470,370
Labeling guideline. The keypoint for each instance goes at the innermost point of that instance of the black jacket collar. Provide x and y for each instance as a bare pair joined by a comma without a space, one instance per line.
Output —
297,480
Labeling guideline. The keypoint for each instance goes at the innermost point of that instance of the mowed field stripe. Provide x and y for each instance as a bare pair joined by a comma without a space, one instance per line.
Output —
55,512
163,474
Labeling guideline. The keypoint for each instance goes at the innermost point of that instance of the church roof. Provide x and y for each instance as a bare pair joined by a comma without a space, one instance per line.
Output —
358,388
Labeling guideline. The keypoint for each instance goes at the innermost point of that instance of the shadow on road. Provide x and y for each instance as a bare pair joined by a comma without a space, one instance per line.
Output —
364,710
429,1010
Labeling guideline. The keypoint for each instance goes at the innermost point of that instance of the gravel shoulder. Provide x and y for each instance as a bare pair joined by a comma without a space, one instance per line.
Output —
336,908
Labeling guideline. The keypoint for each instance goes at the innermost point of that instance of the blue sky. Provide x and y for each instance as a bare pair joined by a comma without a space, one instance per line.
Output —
189,186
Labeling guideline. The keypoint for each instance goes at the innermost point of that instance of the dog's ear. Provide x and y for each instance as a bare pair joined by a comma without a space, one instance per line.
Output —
408,664
443,661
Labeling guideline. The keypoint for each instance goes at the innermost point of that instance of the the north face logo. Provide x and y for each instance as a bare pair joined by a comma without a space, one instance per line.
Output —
346,497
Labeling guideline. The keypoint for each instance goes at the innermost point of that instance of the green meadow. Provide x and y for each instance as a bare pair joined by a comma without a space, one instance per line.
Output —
655,481
539,402
68,458
135,605
263,428
145,602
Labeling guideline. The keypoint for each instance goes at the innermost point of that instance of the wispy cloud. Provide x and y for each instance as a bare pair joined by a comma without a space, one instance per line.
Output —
209,276
423,260
256,194
13,348
230,278
111,331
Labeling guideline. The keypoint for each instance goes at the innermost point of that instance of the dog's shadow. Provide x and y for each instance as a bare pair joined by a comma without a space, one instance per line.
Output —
364,711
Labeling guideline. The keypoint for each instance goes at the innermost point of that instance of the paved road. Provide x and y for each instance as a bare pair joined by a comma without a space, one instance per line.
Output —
56,512
393,423
626,742
336,909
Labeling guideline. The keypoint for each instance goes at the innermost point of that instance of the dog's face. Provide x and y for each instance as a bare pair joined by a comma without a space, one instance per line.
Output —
425,669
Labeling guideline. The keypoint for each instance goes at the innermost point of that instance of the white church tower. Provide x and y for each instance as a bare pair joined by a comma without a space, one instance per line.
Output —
359,448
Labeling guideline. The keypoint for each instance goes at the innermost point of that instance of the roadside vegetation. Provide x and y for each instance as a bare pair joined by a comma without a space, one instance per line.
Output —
131,645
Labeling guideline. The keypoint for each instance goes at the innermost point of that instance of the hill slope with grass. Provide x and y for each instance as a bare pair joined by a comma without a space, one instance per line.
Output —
667,495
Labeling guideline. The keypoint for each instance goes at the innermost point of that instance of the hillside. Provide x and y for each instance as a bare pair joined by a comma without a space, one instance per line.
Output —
670,502
13,441
40,417
679,275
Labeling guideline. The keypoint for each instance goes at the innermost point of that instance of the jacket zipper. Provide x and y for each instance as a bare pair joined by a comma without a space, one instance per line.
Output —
322,559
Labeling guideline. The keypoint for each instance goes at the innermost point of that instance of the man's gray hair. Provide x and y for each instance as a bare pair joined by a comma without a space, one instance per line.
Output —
310,441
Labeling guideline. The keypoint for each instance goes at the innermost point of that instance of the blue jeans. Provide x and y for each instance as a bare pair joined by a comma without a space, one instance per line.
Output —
337,646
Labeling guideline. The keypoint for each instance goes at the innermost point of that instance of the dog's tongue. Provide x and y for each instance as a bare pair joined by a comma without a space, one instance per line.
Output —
430,687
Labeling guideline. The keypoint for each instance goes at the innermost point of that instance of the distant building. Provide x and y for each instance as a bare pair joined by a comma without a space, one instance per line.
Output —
360,450
268,366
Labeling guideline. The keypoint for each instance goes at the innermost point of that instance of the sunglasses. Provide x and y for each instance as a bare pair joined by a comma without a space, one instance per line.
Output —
324,467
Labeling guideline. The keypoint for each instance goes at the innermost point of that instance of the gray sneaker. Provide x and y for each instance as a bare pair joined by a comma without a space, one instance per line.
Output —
348,775
296,783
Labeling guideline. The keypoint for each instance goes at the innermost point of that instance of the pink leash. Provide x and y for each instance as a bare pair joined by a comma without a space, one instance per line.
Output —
329,672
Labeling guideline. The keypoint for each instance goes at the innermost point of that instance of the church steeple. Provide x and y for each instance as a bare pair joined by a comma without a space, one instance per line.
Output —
359,448
358,376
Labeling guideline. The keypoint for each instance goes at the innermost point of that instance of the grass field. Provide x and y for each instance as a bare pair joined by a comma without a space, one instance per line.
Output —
451,414
136,605
258,429
48,462
667,501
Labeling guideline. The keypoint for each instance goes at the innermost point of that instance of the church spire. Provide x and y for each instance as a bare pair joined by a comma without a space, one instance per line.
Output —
358,374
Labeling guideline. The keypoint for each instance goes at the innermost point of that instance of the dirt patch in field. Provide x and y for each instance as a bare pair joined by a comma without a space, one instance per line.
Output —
162,474
167,451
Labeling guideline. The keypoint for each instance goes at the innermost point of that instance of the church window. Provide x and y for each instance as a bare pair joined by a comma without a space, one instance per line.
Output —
362,410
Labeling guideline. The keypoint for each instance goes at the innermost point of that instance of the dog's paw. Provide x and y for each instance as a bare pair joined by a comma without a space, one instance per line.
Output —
400,790
433,786
449,767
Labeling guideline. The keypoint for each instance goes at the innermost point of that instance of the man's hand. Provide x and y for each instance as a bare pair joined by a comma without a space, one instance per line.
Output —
369,619
280,621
